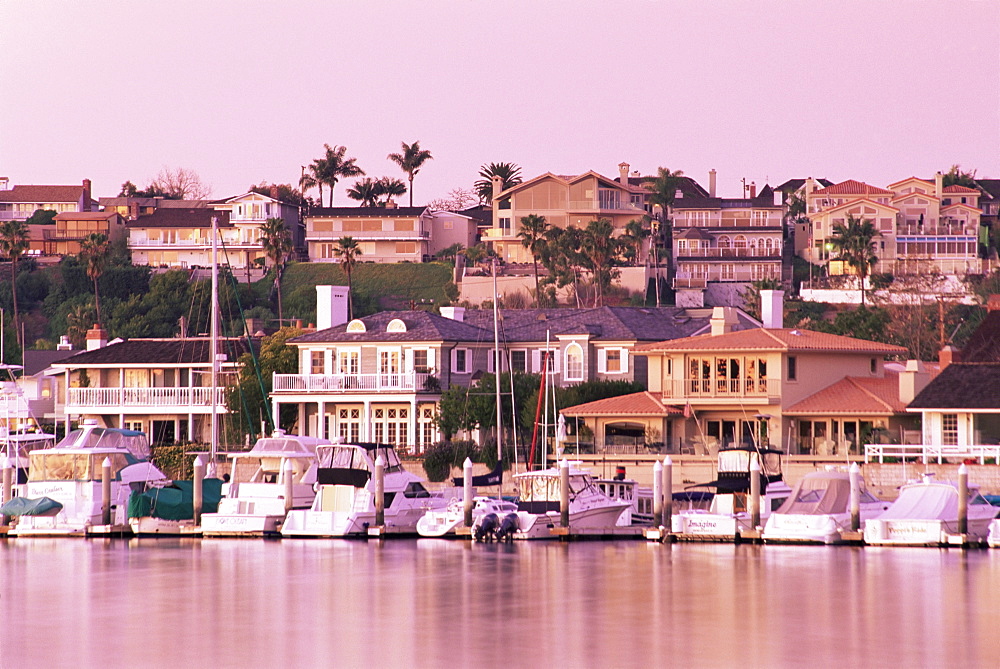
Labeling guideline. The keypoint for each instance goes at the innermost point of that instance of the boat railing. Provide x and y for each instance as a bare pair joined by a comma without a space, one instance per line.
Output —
926,453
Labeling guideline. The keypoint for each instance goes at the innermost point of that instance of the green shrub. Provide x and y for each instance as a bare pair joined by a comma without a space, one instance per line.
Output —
173,460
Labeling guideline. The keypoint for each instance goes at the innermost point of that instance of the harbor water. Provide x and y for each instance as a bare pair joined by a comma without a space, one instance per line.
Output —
433,603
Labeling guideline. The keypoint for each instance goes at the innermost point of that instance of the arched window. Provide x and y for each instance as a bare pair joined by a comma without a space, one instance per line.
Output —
724,242
574,362
741,241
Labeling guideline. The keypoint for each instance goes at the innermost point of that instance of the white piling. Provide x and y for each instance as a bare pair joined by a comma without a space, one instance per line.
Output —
289,474
198,500
657,494
106,491
8,486
963,499
668,492
855,474
754,502
467,491
379,491
564,493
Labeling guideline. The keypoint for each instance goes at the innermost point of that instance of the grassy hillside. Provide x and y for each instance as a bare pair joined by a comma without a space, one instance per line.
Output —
376,287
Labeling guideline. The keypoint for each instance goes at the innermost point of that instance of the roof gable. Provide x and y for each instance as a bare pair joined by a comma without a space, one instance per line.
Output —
783,340
852,187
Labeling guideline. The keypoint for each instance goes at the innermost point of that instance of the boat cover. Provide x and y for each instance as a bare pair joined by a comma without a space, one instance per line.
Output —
176,501
929,502
820,493
493,478
24,506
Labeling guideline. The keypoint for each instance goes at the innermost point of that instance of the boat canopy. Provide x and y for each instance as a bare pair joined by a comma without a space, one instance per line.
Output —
822,493
357,456
928,501
108,438
292,447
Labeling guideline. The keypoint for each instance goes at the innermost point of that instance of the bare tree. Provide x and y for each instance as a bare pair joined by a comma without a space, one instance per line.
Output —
182,184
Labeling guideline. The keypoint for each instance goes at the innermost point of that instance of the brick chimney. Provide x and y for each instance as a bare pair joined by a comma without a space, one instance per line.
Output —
723,319
497,185
753,189
97,337
711,182
623,173
274,192
85,205
948,355
938,185
912,380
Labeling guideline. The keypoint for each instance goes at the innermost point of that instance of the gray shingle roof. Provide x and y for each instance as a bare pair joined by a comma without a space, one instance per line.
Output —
188,217
154,352
962,386
420,326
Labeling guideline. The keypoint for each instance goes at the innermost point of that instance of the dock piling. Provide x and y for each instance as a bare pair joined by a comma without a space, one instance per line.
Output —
379,491
8,484
198,499
106,492
668,492
963,499
855,474
563,493
289,474
657,494
467,491
754,502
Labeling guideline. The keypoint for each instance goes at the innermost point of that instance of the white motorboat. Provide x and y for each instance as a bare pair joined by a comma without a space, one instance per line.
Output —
590,510
993,536
345,500
926,513
16,446
818,510
445,521
640,500
255,501
64,485
728,515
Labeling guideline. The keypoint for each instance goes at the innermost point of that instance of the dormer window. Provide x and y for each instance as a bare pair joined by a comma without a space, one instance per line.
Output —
396,325
356,326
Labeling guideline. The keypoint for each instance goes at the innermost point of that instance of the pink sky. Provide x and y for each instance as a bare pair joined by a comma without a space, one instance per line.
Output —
242,92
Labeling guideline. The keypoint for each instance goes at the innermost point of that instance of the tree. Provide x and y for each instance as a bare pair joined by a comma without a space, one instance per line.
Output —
450,252
78,321
365,191
476,254
348,251
390,187
276,242
336,166
247,400
532,234
42,217
181,184
94,250
663,189
129,189
14,241
313,177
636,233
458,199
955,176
855,243
600,251
410,159
509,173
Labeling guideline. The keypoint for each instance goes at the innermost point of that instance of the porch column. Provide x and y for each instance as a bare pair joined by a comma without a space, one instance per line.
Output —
412,428
366,431
190,436
121,421
321,420
177,428
275,413
303,428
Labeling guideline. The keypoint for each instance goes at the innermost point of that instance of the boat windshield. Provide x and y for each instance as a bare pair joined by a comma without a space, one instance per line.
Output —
738,460
357,457
48,466
546,488
110,438
288,445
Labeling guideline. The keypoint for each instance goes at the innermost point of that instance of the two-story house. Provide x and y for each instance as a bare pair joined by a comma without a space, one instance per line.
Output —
801,391
159,386
720,245
387,234
20,202
71,228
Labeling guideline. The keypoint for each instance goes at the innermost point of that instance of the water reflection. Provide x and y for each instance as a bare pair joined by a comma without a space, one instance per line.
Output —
432,602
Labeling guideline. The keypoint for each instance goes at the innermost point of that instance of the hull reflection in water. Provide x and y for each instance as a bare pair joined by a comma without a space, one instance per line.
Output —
426,602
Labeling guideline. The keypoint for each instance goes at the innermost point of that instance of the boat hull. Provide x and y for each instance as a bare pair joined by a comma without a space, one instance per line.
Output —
240,525
922,532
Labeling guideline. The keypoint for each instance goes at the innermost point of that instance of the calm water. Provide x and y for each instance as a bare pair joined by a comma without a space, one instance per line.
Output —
426,603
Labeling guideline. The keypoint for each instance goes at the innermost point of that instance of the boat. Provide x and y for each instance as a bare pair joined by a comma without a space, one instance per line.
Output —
70,474
728,516
993,536
447,520
640,500
345,500
168,509
818,510
255,500
591,511
926,514
17,445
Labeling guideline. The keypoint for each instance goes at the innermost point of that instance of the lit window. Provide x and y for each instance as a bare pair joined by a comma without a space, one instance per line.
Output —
949,429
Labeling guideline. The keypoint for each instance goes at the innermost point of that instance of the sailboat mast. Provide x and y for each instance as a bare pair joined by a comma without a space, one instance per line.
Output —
214,347
496,368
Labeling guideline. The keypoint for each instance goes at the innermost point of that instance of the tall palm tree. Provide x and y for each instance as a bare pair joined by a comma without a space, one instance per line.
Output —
600,250
390,187
94,250
636,233
276,242
662,192
509,173
348,251
855,242
13,243
337,166
532,234
365,191
313,178
410,160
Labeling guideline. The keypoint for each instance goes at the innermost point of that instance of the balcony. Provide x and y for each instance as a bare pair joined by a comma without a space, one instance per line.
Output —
369,235
757,223
199,243
686,279
943,229
772,252
730,390
405,382
603,205
179,400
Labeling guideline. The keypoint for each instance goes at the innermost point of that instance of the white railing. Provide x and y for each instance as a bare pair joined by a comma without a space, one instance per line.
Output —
602,205
932,453
731,389
401,235
353,383
682,223
732,252
196,242
158,397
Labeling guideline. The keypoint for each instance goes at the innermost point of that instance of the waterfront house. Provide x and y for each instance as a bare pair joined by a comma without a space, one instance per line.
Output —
19,202
71,228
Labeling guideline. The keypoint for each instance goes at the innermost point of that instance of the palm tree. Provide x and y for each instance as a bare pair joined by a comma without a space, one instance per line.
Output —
662,191
78,321
409,160
13,243
600,250
314,177
532,234
365,191
855,242
336,166
276,242
94,249
348,251
390,187
509,173
636,233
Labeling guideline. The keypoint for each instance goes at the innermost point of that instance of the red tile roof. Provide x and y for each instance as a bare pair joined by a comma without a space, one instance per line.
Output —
854,395
636,404
761,339
42,194
852,187
955,188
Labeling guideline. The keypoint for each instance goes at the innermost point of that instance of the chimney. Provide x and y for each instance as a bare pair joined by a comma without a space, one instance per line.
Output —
182,323
454,313
912,380
64,344
678,194
4,183
391,204
497,185
810,186
274,191
133,210
948,355
331,306
85,205
938,185
772,309
993,303
711,182
753,189
96,337
623,173
778,200
723,319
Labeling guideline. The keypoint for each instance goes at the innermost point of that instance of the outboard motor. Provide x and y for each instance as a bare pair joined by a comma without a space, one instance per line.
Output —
487,527
508,527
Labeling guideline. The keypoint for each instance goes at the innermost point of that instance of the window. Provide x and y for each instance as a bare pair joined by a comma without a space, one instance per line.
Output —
133,425
420,361
792,367
406,248
574,362
612,361
519,360
504,224
949,429
316,362
461,361
349,362
873,365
